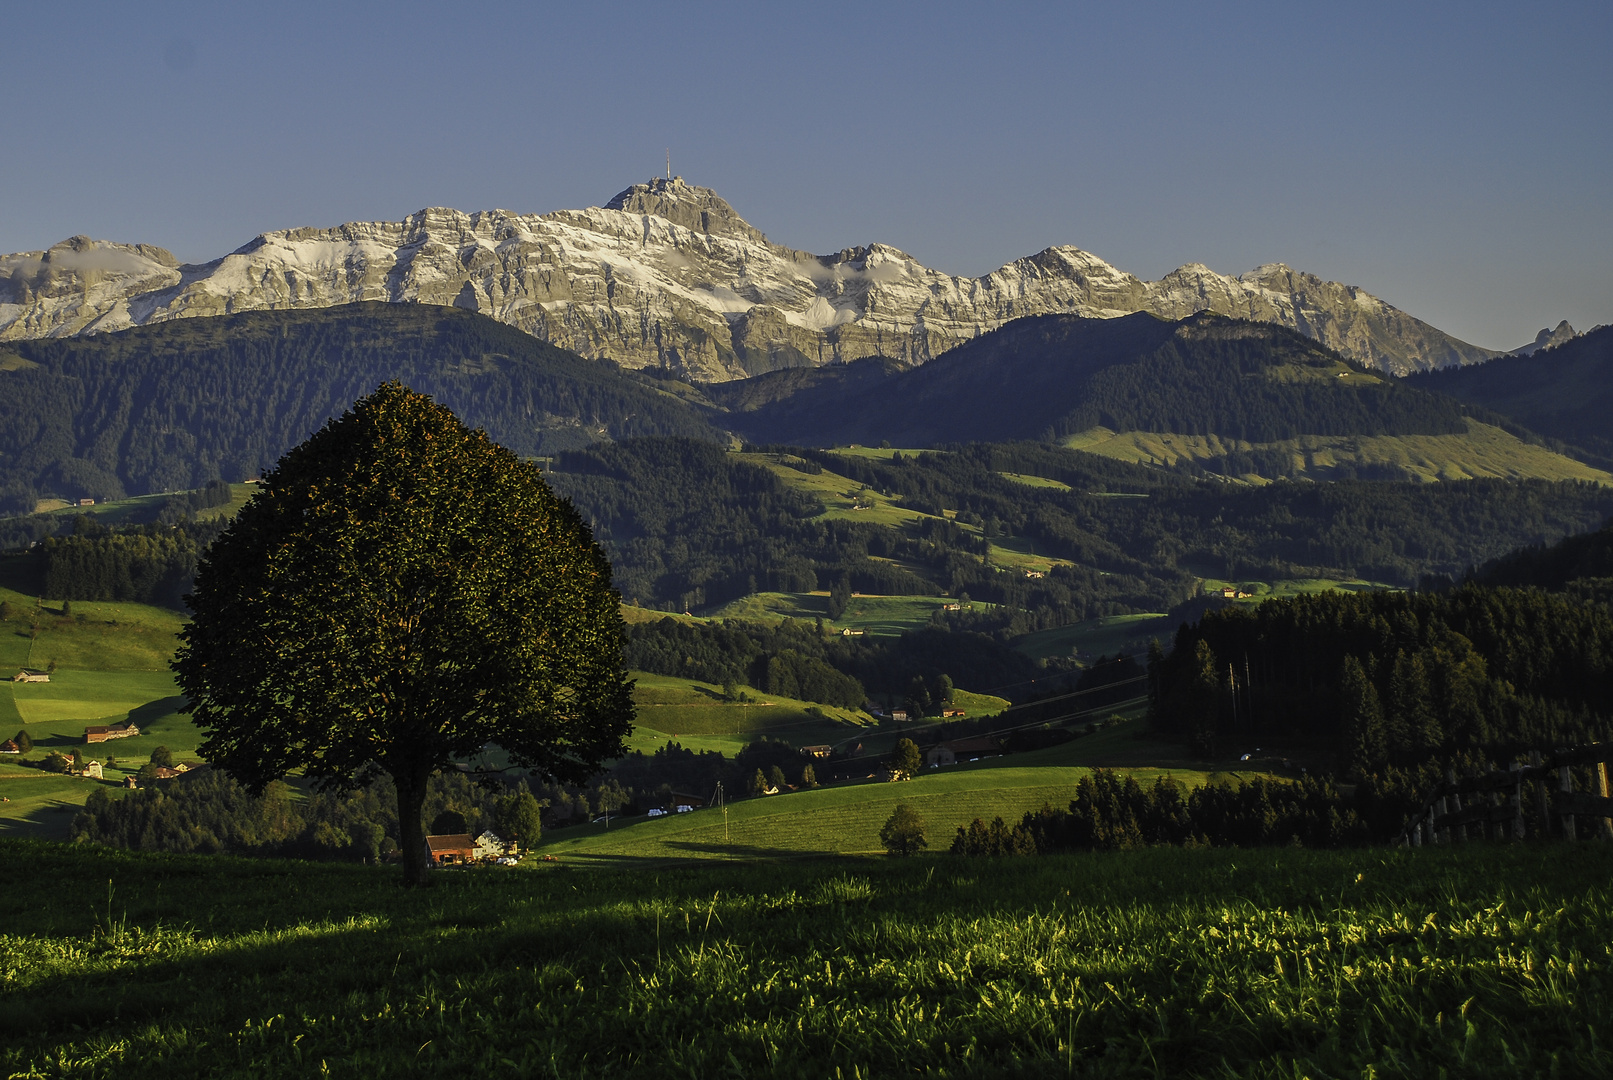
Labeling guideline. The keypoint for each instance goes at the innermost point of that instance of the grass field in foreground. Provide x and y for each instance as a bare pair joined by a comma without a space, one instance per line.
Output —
1478,961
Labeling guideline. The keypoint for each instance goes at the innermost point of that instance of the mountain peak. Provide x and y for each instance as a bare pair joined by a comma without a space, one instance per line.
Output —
696,208
1547,339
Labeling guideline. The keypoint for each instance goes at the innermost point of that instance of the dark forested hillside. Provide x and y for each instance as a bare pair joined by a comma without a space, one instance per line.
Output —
1565,393
177,404
1053,375
688,524
1393,679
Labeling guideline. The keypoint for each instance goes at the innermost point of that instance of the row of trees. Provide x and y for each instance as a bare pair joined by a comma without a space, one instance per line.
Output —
1112,812
207,811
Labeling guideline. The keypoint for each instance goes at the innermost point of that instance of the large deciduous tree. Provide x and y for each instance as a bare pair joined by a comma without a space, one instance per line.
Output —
400,593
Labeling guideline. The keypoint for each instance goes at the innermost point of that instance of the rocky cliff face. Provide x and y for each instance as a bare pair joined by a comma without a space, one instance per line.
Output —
668,275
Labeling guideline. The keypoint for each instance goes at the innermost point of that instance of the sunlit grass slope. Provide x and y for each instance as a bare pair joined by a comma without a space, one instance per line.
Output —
1483,451
111,667
1476,962
843,819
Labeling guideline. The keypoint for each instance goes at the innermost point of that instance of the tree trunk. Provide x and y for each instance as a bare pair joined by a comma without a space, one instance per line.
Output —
411,830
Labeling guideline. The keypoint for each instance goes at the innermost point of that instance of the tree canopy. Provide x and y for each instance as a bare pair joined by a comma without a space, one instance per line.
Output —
401,593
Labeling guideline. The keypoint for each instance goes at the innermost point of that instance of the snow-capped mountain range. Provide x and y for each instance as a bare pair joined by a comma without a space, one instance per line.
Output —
666,274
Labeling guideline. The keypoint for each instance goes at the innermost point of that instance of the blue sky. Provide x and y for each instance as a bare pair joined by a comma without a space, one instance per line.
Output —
1454,159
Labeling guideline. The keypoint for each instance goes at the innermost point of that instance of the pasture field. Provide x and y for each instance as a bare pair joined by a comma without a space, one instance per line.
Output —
1481,961
1482,451
142,508
842,497
841,820
876,616
694,714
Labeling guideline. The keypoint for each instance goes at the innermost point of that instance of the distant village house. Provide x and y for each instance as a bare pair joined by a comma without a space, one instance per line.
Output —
30,675
819,751
103,733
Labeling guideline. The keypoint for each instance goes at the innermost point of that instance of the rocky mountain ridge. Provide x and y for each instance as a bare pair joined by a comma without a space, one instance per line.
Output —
668,275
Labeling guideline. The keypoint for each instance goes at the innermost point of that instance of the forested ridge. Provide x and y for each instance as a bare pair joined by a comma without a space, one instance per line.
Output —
1049,376
177,404
688,524
173,405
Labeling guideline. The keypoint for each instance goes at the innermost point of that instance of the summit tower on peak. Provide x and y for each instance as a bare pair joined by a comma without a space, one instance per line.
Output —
696,208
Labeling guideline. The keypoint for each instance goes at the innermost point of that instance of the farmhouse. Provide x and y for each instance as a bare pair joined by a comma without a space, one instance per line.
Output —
682,800
849,632
451,849
30,675
10,747
101,733
489,845
949,753
819,751
92,770
953,712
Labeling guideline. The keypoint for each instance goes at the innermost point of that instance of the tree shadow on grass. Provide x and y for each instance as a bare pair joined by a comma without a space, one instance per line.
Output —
152,711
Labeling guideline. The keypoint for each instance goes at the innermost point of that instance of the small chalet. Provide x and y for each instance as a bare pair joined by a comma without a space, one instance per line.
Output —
86,502
30,675
820,751
952,607
92,770
10,747
489,846
899,715
454,849
953,713
849,632
101,733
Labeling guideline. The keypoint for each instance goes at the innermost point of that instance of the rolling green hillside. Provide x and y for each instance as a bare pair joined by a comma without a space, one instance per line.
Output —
1565,392
1482,451
1046,536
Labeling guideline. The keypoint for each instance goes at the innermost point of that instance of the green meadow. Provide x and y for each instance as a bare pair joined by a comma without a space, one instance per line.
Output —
1484,961
841,820
876,616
